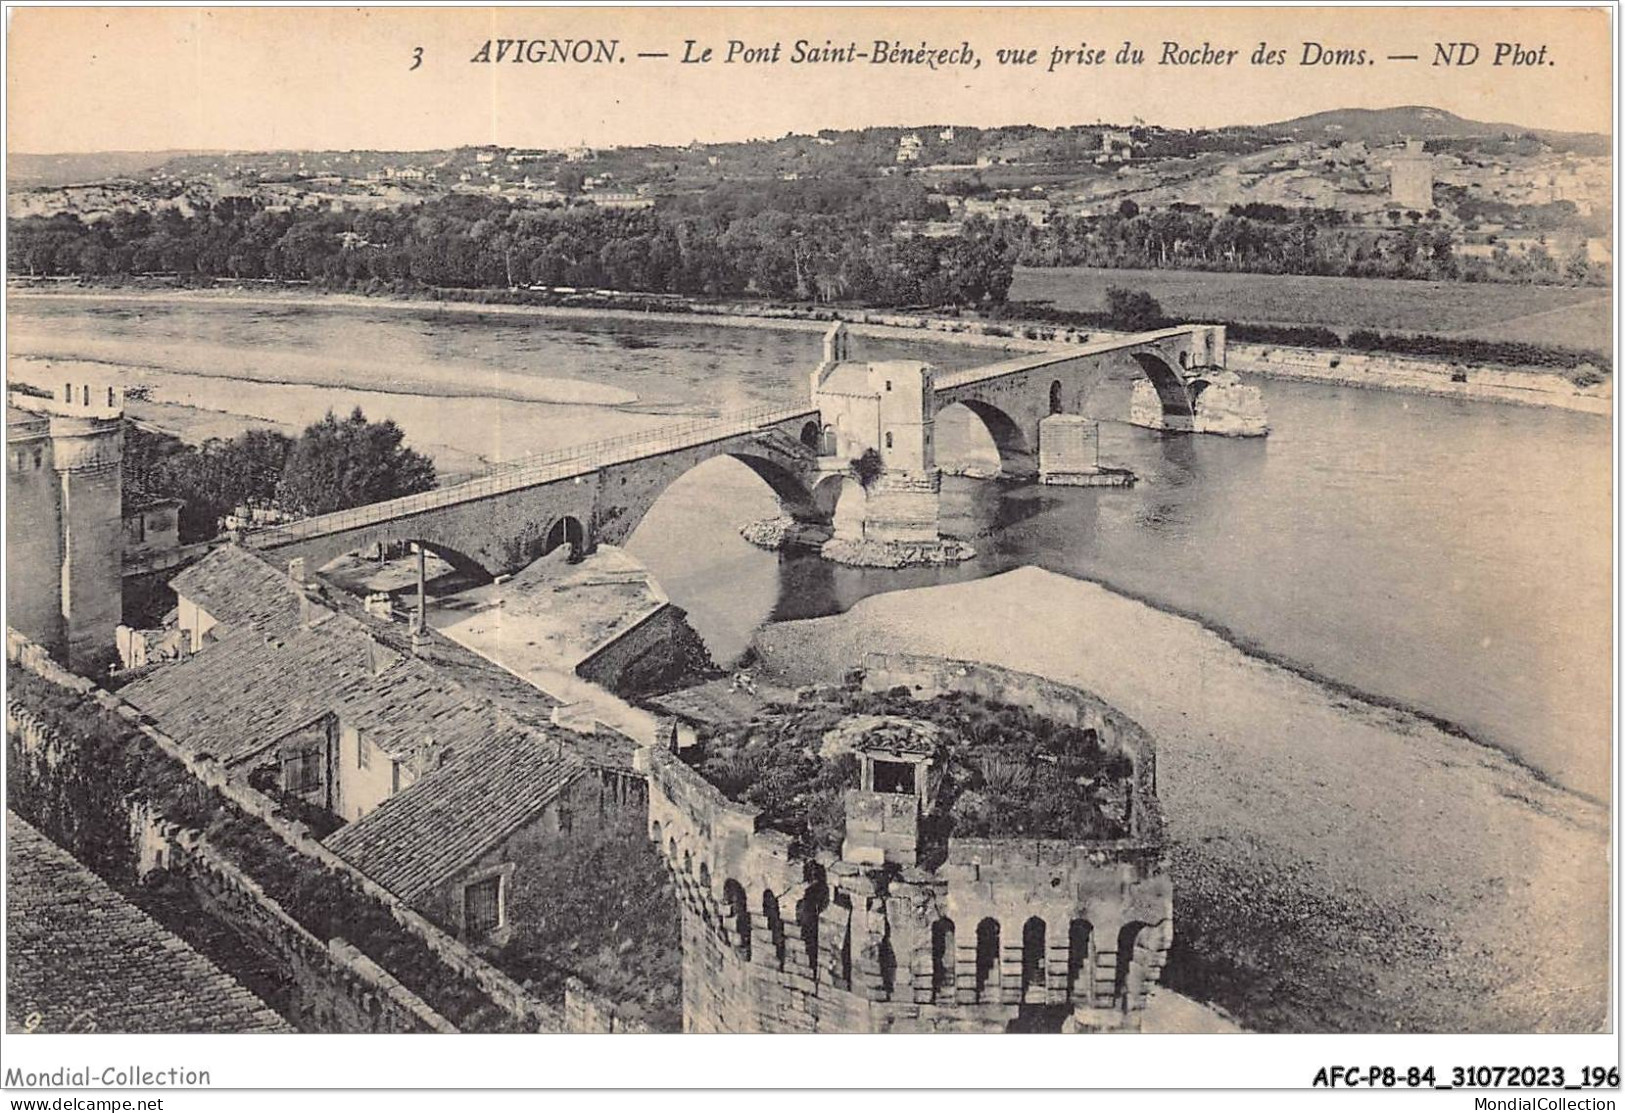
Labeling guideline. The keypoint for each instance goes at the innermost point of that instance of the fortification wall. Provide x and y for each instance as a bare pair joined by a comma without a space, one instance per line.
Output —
1004,934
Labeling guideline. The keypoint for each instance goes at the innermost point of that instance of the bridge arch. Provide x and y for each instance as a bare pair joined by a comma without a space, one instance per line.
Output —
839,499
567,530
398,548
1169,384
794,497
1015,448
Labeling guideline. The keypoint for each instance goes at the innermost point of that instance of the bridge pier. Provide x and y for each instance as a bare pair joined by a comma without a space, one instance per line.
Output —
1069,454
874,419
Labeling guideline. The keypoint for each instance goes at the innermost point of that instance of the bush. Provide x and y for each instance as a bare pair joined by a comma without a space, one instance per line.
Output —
868,468
1506,352
1006,771
1133,310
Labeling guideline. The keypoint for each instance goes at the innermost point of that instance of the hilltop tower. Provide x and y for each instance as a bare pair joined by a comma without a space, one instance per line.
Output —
1410,178
64,523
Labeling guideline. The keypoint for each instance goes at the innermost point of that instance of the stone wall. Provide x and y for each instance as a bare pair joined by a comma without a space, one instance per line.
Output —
331,986
523,1010
651,654
1006,934
587,1011
326,986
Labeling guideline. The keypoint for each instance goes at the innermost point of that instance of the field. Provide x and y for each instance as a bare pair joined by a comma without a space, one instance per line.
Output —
1576,317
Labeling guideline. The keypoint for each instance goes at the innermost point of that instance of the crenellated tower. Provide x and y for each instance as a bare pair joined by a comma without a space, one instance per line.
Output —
894,933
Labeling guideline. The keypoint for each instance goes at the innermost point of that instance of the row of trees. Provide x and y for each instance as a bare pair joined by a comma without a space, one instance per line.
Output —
841,249
334,464
1138,311
1261,241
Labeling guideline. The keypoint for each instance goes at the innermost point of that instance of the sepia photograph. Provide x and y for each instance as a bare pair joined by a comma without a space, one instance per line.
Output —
675,521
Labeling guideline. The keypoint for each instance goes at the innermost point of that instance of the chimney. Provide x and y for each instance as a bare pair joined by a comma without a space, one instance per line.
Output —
378,605
296,570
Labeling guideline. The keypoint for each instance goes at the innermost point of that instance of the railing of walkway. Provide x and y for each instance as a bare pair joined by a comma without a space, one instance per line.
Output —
536,468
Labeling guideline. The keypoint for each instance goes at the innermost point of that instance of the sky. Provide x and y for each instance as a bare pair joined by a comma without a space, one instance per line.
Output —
134,79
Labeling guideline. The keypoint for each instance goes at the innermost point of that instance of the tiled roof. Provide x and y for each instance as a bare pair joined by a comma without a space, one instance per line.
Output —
442,822
235,587
79,957
271,671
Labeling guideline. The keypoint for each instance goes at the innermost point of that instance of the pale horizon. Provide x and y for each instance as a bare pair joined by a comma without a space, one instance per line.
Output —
772,138
145,80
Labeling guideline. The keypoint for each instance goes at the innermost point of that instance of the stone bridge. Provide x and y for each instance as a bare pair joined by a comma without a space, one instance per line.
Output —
598,493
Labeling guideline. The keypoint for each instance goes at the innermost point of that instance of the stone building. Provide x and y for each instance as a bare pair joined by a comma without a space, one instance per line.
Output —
1411,178
1011,934
438,762
64,524
888,406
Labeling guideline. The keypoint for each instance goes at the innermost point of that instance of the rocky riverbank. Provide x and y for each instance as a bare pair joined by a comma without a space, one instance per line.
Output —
1338,866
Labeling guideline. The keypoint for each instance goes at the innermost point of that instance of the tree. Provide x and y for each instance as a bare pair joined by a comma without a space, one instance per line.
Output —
569,180
211,481
336,464
1128,210
1133,310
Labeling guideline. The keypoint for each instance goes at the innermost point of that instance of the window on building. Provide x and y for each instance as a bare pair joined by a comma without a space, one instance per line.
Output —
894,776
363,752
888,440
888,384
987,959
482,907
302,771
943,957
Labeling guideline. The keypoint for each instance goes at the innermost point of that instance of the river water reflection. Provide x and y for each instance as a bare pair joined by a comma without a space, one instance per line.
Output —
1451,556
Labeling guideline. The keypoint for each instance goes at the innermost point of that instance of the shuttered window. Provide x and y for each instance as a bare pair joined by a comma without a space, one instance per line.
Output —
482,907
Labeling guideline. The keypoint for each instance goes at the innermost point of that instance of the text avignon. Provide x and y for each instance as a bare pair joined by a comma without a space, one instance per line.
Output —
549,51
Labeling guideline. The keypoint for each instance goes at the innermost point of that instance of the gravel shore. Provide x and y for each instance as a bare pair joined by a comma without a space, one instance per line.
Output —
1338,866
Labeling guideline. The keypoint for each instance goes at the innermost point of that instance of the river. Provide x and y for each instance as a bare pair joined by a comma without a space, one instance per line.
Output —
1450,556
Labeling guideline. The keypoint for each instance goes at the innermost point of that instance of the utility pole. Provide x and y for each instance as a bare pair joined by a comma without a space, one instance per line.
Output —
419,623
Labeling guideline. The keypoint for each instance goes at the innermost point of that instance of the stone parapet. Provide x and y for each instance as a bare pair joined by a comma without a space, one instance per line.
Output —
1003,933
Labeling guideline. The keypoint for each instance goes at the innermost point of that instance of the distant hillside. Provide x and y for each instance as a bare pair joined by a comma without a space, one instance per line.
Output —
1390,125
70,169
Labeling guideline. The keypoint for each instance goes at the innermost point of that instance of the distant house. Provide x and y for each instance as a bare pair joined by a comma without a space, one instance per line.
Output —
908,148
447,771
1116,146
151,527
618,199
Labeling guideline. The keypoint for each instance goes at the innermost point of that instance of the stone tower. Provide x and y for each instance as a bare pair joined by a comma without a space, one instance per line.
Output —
1410,178
64,522
889,407
994,935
